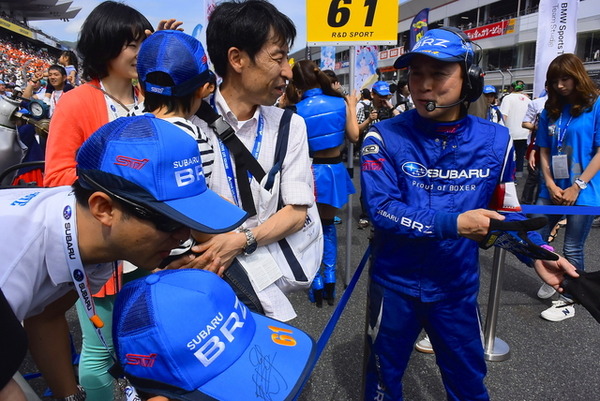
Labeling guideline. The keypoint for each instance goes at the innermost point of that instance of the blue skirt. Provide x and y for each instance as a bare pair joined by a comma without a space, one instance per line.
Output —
332,184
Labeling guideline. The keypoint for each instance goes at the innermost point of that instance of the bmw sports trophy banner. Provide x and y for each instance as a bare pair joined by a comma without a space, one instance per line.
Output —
554,38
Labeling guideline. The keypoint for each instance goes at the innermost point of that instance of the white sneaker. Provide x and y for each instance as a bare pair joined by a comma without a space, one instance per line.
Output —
545,291
424,346
560,310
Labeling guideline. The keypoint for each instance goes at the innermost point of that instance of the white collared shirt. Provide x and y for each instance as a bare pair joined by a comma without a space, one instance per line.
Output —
34,270
296,173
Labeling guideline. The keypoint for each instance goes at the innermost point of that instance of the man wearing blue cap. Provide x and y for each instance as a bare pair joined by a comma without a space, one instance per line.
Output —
381,107
493,111
432,179
140,190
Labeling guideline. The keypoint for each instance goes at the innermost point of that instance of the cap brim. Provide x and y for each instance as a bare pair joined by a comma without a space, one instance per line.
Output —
206,212
274,366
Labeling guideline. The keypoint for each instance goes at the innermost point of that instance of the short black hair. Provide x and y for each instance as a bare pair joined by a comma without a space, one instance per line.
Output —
82,194
154,101
59,68
109,27
247,26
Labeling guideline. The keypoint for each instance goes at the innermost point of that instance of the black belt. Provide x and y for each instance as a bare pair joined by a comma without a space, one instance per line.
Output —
327,160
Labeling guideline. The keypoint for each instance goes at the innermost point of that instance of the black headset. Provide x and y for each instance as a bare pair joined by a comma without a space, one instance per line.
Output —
474,73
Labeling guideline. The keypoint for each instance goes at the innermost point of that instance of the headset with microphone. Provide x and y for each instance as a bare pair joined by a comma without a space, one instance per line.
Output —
474,74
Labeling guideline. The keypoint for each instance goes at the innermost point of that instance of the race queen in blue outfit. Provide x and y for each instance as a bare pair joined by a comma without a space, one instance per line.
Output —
329,120
569,140
432,180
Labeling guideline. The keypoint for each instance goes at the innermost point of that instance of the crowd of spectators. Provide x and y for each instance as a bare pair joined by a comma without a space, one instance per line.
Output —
19,57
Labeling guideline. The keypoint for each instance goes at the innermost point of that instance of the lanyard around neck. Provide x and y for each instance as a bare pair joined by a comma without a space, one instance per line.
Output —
80,281
226,156
562,131
110,101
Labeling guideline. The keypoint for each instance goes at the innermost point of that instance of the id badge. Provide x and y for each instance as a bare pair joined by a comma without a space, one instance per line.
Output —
560,167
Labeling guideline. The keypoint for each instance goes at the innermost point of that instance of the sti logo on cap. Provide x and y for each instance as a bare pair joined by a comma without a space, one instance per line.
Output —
134,163
146,361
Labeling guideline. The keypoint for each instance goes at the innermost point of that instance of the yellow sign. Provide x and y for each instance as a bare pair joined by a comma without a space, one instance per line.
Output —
348,22
16,28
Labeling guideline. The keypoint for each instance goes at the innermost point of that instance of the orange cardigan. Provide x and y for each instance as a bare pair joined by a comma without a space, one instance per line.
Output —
78,115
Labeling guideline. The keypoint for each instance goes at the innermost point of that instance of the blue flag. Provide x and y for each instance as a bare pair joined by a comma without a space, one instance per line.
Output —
418,27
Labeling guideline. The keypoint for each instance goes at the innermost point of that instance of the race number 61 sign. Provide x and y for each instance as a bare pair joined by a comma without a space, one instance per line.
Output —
348,22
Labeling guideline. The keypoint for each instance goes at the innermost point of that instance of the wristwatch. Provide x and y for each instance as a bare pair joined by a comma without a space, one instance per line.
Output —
250,241
80,395
581,184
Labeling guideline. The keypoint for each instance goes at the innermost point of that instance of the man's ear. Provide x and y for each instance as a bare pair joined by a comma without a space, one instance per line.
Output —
237,59
102,207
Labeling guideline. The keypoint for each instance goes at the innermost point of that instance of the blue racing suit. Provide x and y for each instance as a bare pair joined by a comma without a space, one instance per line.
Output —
417,176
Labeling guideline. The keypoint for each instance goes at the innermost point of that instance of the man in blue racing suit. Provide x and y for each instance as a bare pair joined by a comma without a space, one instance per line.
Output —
431,179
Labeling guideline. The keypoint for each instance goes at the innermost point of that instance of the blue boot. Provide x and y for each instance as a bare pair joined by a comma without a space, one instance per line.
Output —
329,261
315,294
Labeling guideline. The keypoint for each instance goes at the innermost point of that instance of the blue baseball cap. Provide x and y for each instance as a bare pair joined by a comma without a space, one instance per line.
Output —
440,44
183,334
157,165
382,88
177,54
489,89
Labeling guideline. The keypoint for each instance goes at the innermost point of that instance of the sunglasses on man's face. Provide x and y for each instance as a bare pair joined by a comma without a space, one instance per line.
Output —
160,221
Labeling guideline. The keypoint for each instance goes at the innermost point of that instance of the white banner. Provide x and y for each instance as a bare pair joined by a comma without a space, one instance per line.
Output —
557,34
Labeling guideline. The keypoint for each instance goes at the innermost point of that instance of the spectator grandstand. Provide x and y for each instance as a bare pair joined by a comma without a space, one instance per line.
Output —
25,50
17,54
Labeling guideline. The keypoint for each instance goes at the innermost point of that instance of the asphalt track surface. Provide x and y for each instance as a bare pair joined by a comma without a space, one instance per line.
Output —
548,360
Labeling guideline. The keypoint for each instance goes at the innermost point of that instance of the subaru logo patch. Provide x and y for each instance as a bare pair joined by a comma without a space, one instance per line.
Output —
78,275
414,169
67,212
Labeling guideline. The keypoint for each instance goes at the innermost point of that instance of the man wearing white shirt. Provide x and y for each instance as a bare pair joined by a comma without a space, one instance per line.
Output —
513,108
252,59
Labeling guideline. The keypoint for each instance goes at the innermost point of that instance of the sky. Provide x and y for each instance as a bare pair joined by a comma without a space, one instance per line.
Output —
189,11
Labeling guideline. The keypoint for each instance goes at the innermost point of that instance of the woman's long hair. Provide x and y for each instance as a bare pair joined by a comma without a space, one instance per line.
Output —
306,75
584,93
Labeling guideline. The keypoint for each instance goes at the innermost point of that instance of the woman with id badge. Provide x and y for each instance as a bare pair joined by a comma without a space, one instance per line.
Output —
569,139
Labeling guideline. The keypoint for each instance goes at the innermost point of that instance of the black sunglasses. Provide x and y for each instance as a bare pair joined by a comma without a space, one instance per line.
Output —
160,221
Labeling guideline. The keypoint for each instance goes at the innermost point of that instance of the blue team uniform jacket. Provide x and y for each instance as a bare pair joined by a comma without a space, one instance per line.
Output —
417,177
